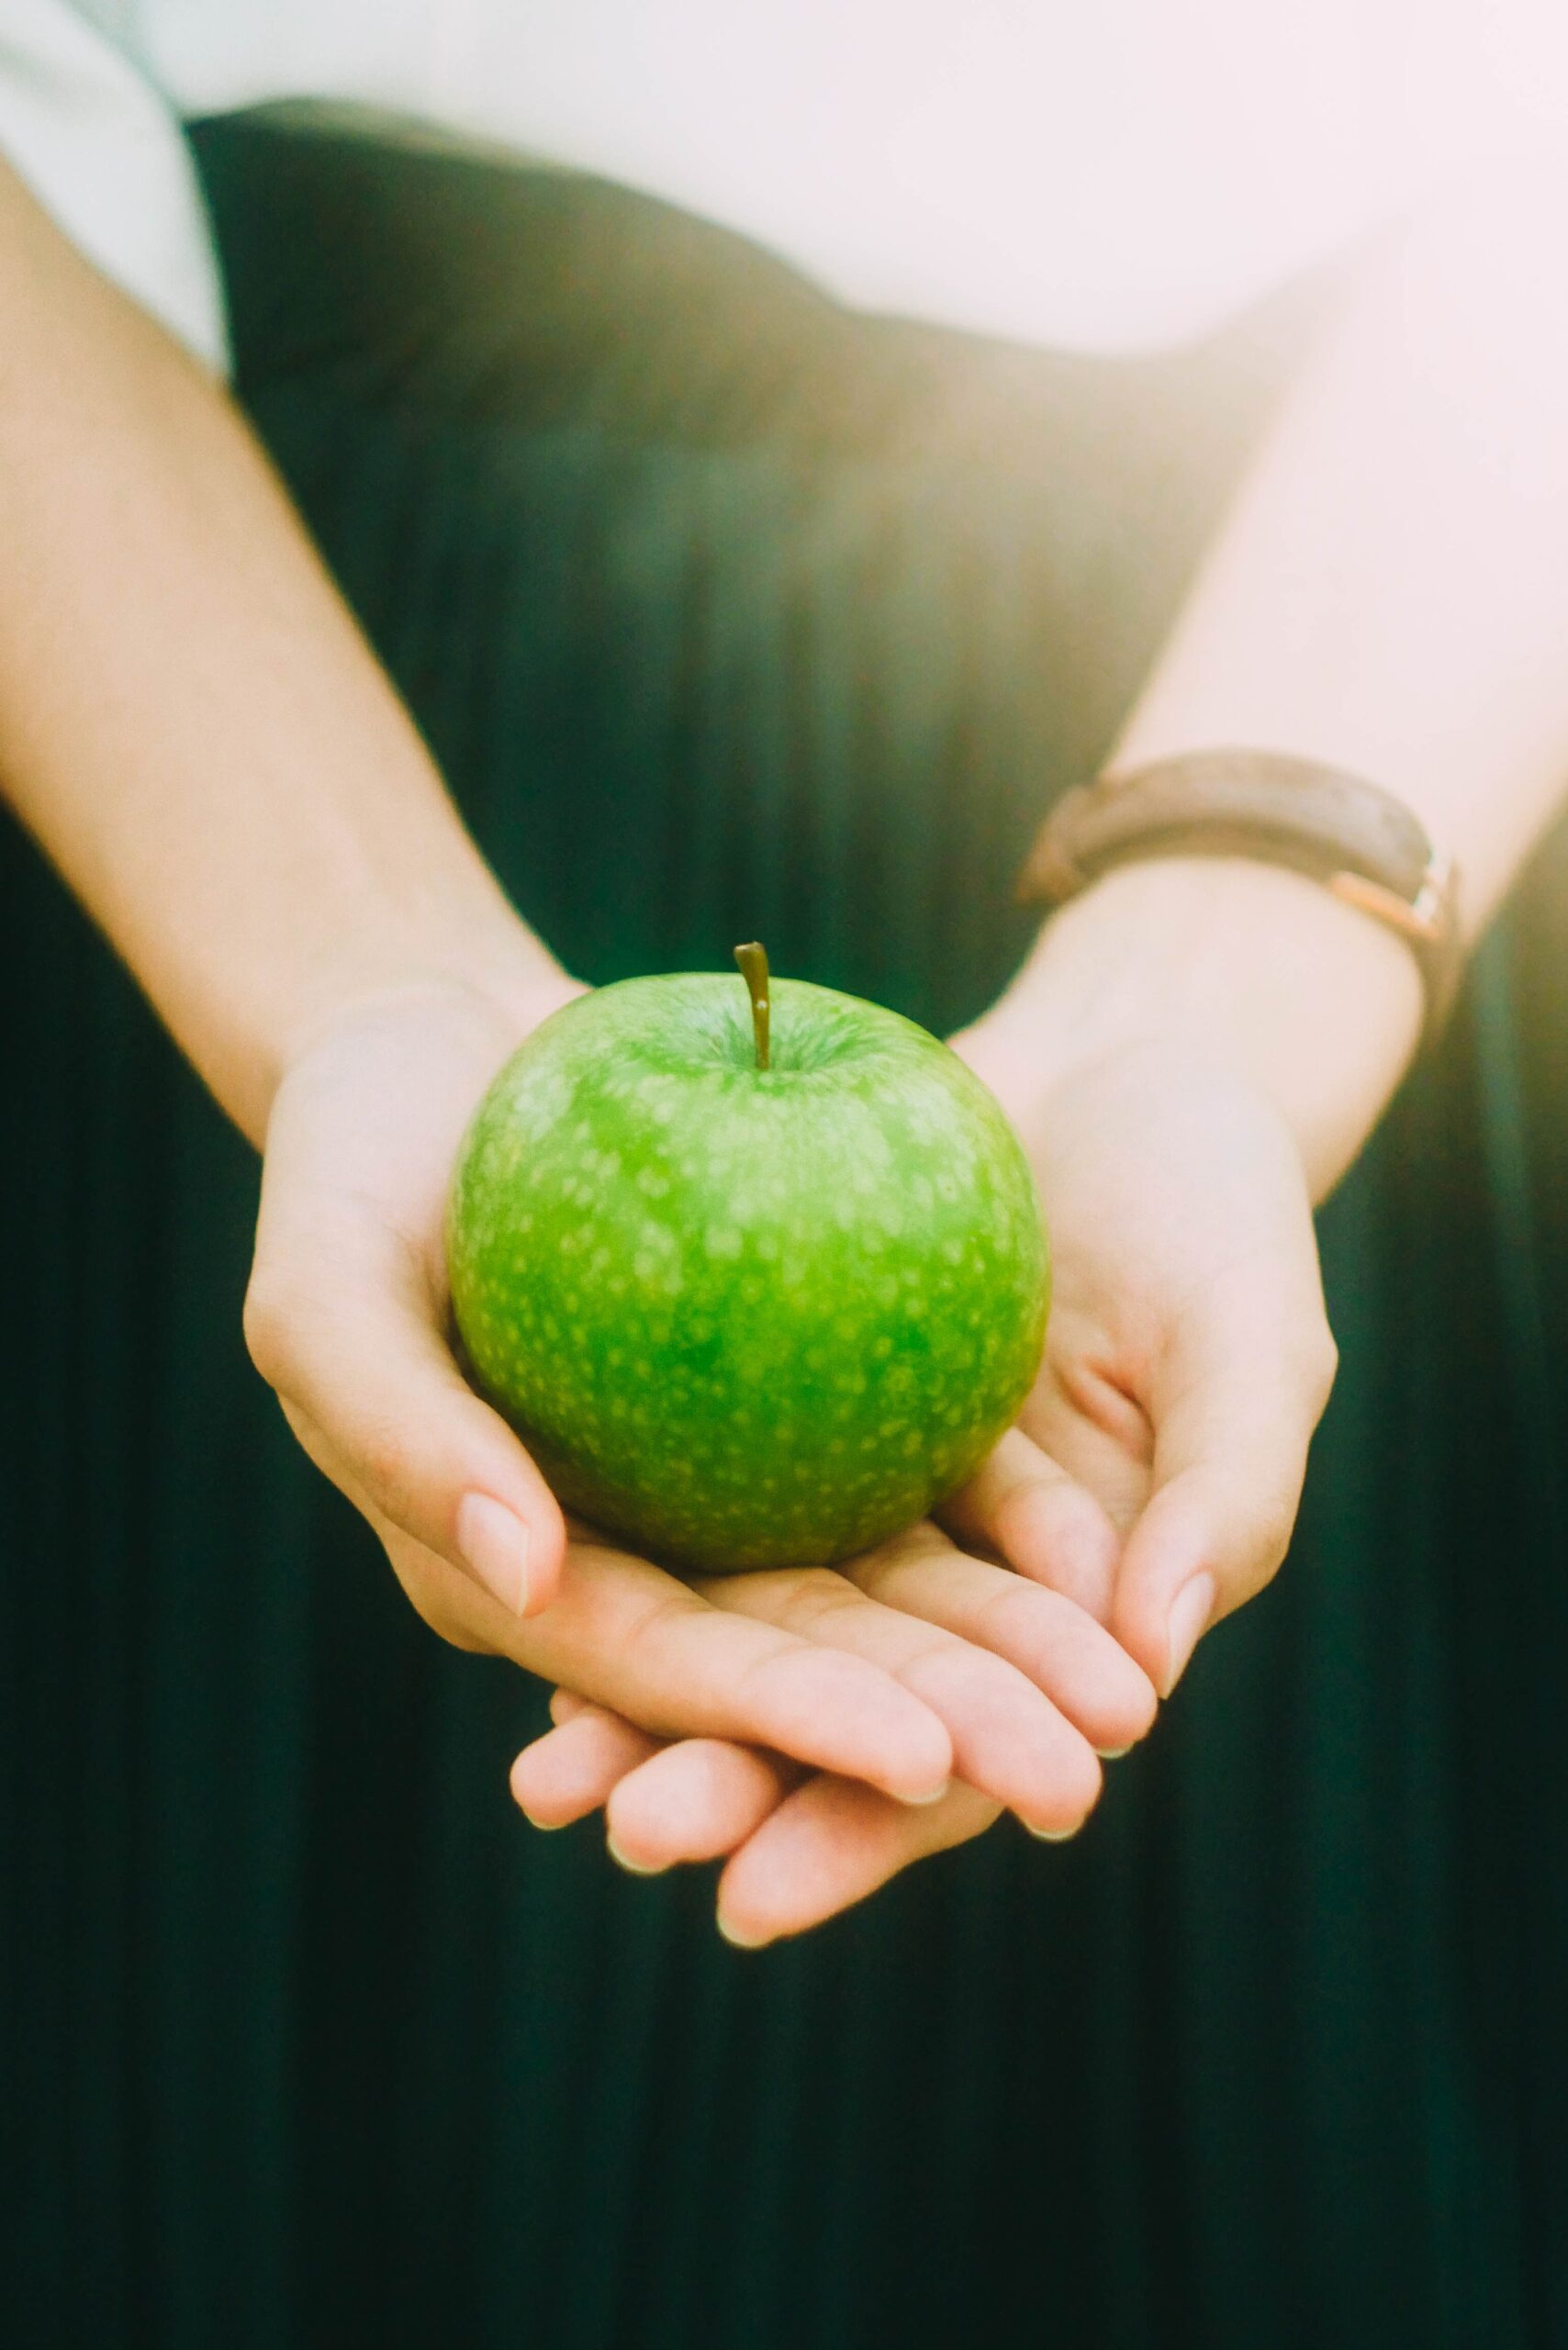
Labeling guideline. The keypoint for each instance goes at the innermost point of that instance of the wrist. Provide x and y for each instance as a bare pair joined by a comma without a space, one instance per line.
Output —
498,967
1224,959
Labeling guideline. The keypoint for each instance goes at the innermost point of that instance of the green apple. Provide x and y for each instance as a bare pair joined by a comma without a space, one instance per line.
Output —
751,1301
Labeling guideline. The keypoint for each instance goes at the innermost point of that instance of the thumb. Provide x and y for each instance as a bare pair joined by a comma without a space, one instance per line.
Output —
1234,1406
353,1351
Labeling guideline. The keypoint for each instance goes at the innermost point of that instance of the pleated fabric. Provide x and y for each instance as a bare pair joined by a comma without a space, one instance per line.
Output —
727,615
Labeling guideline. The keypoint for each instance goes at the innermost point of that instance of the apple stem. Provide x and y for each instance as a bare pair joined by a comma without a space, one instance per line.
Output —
752,963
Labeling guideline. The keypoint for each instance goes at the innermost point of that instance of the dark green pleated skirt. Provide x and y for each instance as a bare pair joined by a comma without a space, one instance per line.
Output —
728,614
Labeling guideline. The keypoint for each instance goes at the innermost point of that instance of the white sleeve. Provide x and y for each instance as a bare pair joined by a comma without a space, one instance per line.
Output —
1111,174
103,152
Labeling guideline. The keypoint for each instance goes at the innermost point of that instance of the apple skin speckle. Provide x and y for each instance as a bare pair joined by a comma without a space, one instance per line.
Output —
747,1318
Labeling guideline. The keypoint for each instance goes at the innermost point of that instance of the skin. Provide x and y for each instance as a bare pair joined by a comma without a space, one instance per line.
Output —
1192,1055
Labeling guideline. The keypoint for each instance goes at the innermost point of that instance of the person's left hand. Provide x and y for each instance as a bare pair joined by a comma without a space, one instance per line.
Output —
1031,1687
1152,1482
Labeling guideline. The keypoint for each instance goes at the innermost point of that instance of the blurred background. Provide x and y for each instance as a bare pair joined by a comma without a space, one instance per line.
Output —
769,571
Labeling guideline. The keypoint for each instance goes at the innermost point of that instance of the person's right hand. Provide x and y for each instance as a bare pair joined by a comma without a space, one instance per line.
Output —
877,1675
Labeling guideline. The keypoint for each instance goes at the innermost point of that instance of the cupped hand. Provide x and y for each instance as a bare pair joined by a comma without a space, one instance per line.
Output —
1190,1357
918,1662
1153,1480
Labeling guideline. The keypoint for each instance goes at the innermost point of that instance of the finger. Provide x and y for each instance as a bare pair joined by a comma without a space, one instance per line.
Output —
1234,1410
692,1800
633,1637
1041,1521
1091,1426
574,1769
1008,1739
1087,1675
696,1800
828,1845
626,1636
342,1321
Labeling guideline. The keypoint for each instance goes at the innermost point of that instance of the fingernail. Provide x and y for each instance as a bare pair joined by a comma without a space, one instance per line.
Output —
1190,1611
932,1794
632,1867
1052,1835
494,1540
738,1941
1112,1753
545,1827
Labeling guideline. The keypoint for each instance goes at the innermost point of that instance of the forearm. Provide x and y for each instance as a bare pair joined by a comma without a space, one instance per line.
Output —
190,724
1389,593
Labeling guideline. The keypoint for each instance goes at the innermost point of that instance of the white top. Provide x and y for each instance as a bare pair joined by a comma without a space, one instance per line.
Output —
1098,173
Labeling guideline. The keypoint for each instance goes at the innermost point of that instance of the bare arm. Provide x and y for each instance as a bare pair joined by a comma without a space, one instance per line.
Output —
171,652
1390,594
194,732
